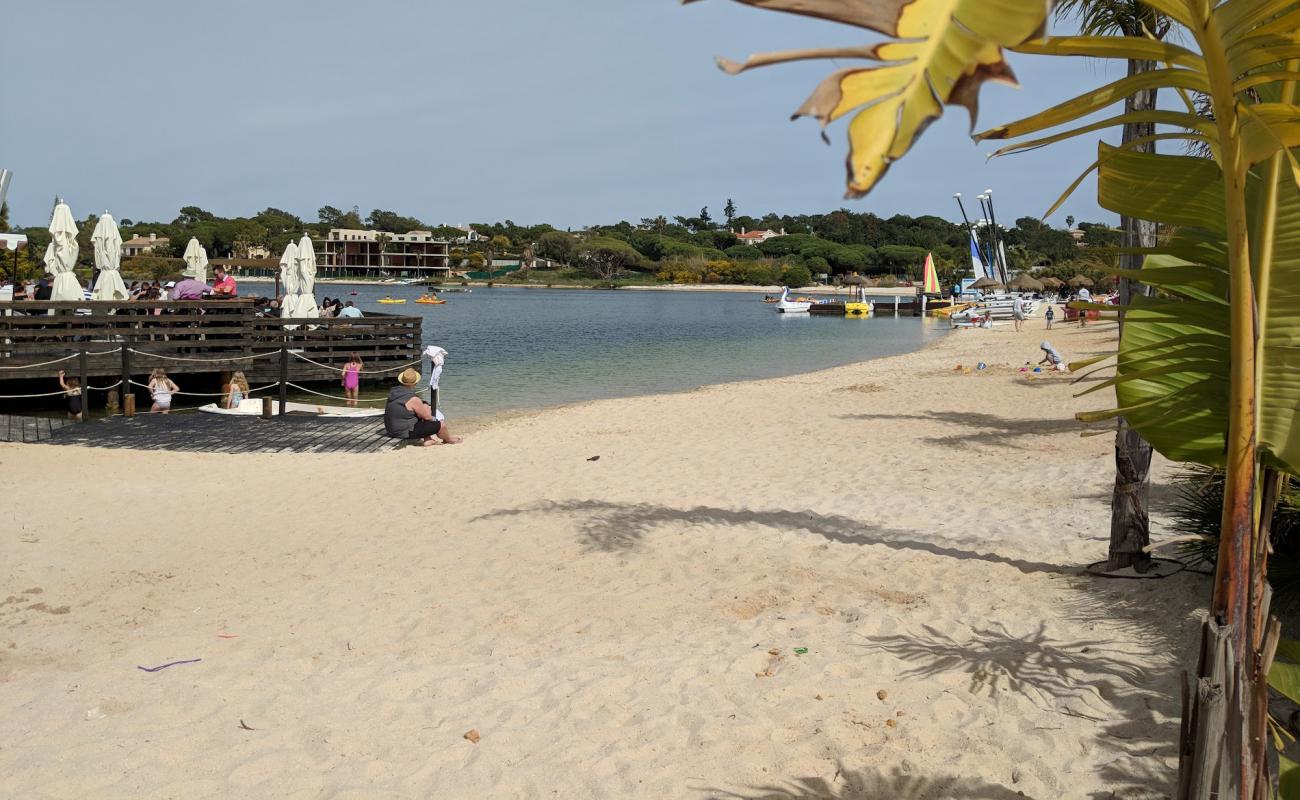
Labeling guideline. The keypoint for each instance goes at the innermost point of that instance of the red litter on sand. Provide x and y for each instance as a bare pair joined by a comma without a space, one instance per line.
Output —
227,636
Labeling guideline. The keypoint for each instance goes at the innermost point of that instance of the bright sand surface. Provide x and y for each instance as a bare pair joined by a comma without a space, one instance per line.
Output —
621,627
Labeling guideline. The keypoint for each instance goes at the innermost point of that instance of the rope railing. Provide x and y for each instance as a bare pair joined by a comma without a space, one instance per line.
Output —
255,356
330,396
47,363
210,394
362,372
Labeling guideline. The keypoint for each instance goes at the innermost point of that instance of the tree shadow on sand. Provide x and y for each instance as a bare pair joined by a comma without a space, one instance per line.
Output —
1135,708
866,785
983,429
620,527
995,659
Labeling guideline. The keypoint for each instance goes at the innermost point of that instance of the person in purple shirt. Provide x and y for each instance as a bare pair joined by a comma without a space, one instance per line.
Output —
188,288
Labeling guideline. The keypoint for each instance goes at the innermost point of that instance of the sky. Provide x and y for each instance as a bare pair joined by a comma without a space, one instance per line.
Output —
572,112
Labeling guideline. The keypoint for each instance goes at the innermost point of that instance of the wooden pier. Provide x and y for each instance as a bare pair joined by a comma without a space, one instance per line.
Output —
125,340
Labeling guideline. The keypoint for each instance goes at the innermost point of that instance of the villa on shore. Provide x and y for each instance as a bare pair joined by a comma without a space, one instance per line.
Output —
364,253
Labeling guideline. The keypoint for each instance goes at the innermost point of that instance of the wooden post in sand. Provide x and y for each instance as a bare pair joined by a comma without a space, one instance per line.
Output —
284,374
267,409
128,397
83,370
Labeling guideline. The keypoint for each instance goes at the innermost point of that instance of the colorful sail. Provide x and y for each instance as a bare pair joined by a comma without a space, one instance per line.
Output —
930,277
976,263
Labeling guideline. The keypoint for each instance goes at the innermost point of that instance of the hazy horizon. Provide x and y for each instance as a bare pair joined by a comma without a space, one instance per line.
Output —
589,114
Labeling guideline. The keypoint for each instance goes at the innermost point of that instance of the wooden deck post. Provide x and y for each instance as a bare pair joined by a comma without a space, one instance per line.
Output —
128,396
267,410
83,370
284,374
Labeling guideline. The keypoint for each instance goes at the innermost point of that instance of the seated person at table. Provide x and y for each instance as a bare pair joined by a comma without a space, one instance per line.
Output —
223,284
408,417
188,288
350,310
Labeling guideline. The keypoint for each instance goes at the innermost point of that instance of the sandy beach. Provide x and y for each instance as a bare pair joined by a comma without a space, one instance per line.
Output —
858,583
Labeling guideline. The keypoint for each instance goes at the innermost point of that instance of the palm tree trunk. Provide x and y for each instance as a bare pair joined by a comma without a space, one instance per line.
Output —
1130,524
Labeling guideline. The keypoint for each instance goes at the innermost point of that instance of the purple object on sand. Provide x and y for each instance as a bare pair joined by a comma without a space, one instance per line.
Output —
170,664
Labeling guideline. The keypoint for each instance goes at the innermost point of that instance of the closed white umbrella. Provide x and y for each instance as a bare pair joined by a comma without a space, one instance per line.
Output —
307,307
289,280
61,255
196,260
108,258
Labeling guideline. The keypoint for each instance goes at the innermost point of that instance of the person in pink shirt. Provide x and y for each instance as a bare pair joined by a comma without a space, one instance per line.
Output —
223,284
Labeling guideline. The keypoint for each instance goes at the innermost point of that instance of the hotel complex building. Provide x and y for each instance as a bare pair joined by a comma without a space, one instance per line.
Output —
414,254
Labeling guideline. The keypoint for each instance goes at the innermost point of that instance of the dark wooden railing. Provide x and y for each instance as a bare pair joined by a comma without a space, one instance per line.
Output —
192,336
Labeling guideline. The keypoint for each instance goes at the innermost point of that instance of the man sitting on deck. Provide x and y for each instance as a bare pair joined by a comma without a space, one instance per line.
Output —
223,284
350,310
408,417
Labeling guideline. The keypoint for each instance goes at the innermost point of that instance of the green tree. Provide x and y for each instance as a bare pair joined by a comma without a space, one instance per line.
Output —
382,220
557,246
500,243
605,258
1130,525
796,275
706,222
729,211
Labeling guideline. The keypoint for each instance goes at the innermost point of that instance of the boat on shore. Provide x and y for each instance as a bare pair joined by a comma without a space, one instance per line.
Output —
252,407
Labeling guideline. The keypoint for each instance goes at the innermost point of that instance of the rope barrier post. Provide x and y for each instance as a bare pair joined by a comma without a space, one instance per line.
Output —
267,410
284,375
83,369
128,396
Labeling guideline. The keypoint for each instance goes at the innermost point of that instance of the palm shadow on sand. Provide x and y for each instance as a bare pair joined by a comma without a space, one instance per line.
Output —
871,785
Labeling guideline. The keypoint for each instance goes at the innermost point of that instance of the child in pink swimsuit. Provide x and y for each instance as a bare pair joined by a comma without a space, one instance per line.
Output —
352,378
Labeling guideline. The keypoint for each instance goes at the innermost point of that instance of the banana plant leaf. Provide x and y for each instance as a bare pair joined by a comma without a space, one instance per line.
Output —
1172,371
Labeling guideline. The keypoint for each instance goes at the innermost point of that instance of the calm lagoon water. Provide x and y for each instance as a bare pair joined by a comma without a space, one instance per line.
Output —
513,348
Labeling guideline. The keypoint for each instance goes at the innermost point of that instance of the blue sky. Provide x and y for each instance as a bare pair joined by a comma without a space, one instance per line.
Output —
574,113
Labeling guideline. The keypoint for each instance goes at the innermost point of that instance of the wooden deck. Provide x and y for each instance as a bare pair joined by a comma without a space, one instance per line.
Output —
30,429
196,336
193,432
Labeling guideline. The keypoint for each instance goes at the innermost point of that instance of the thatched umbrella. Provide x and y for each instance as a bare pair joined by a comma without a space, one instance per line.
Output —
1052,283
1025,282
853,280
1080,280
986,282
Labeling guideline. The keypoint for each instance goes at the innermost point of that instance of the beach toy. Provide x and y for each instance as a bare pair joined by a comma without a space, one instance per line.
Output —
982,365
1038,369
800,651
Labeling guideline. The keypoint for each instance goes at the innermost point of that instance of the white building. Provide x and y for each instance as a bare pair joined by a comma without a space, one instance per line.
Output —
144,245
758,237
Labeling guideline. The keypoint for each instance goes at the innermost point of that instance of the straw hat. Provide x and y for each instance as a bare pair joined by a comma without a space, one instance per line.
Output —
409,377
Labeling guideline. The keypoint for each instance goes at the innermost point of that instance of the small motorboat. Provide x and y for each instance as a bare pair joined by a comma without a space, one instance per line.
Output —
252,407
391,301
787,306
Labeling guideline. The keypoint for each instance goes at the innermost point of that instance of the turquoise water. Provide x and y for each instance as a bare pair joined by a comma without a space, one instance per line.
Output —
514,349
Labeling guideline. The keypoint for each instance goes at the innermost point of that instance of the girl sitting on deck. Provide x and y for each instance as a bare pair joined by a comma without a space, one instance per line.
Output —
238,390
161,389
352,379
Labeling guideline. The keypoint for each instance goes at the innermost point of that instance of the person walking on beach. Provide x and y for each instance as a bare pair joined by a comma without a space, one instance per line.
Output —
1050,315
161,389
352,379
72,391
408,417
1018,312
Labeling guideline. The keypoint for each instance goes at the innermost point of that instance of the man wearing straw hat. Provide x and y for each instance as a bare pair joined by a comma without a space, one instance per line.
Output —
408,417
